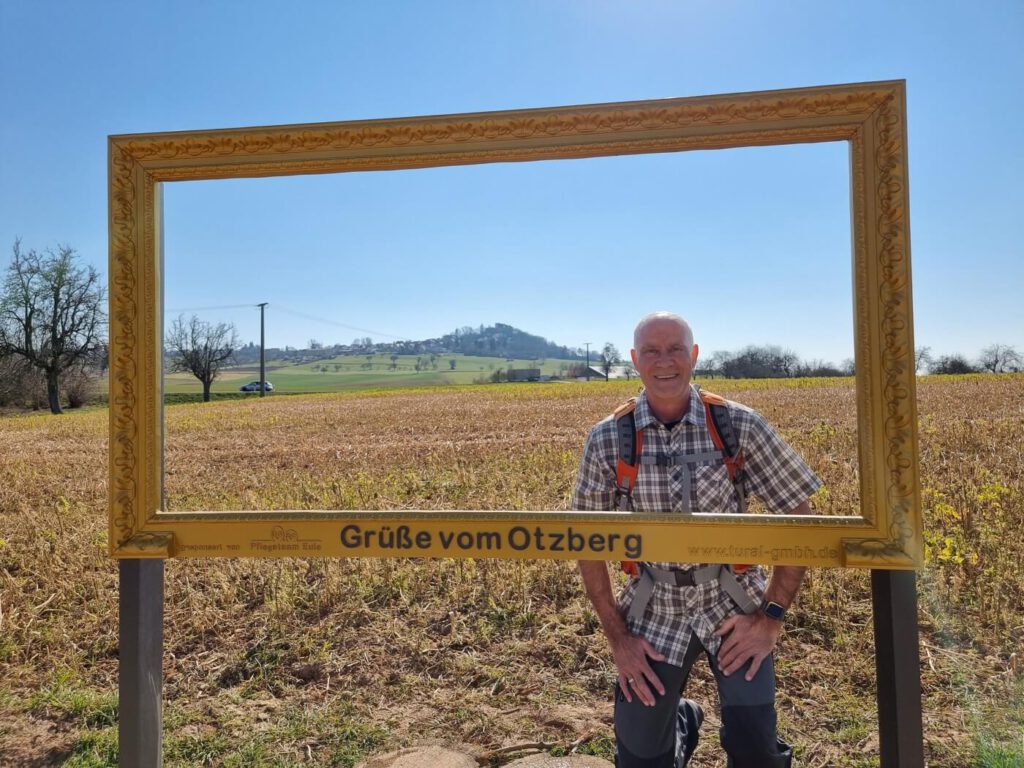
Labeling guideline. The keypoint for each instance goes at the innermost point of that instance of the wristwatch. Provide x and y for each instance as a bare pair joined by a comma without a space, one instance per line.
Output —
772,610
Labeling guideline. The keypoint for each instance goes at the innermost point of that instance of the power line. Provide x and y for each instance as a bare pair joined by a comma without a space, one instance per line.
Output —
207,309
306,316
296,313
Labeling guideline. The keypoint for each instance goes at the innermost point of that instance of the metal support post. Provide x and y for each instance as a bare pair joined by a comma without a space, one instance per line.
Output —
898,665
141,669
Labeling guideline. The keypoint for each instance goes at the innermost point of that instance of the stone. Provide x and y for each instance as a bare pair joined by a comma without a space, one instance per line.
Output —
569,761
421,757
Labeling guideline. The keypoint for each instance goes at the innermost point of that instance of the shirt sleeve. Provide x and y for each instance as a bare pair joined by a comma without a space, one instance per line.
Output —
776,473
595,481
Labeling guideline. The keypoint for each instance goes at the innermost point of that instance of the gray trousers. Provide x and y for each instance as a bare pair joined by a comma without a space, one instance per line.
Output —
655,737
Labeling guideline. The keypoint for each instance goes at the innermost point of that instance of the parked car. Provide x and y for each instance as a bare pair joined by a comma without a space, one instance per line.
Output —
254,386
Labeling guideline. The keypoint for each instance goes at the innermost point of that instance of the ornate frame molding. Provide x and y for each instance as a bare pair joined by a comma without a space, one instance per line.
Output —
870,116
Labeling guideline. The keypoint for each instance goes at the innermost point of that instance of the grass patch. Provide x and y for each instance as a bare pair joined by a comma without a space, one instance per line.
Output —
195,749
602,746
94,749
995,755
62,698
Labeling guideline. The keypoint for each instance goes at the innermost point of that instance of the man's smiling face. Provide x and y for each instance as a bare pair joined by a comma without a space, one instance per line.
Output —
664,357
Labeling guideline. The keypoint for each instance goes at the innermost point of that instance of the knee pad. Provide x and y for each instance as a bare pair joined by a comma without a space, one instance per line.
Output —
748,736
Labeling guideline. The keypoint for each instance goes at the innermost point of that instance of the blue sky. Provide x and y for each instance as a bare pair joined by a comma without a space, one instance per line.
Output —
575,251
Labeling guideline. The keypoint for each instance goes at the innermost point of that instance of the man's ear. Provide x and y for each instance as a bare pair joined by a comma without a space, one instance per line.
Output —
693,355
632,355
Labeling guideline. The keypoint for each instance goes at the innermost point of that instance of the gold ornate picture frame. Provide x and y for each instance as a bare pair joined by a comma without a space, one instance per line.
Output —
871,117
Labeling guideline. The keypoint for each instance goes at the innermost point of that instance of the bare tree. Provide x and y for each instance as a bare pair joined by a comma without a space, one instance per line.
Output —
51,314
1000,358
201,348
711,365
922,358
609,357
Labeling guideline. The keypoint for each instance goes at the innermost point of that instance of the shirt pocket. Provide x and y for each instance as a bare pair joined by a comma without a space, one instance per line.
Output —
652,490
714,491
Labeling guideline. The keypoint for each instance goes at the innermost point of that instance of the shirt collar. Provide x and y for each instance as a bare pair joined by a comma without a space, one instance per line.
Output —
694,414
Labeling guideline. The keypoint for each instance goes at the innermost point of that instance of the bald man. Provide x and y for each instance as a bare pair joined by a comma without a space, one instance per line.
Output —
670,612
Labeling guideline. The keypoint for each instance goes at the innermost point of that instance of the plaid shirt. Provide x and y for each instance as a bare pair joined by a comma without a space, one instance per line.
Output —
775,474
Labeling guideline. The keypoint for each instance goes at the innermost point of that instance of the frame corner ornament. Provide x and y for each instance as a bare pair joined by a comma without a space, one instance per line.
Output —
872,553
147,545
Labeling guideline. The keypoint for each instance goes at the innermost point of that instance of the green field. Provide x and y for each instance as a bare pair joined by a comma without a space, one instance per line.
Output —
351,372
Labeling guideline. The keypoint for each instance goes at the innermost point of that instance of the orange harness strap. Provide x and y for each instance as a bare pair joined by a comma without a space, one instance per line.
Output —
631,443
733,464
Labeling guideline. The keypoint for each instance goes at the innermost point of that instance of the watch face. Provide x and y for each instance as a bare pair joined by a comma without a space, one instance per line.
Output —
773,610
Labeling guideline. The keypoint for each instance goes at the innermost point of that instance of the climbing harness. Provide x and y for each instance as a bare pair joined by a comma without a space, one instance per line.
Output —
630,458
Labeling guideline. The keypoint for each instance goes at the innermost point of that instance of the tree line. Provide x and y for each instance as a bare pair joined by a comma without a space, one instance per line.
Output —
995,358
775,362
53,341
767,362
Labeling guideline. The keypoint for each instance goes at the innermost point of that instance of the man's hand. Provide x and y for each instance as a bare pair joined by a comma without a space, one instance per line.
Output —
635,674
746,638
752,637
631,651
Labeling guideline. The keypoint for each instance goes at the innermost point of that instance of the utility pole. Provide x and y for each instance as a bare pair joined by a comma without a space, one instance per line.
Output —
588,359
263,348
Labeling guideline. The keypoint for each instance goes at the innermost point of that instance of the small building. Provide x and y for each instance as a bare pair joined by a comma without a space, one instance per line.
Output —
622,371
524,374
618,371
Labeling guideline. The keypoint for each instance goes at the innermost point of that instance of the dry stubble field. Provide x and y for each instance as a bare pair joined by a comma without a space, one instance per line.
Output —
320,662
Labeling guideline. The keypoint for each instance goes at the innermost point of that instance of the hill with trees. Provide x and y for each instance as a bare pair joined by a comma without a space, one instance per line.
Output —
498,340
501,340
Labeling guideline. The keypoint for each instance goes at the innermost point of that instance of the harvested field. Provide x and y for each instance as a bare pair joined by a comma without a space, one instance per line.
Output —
320,662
